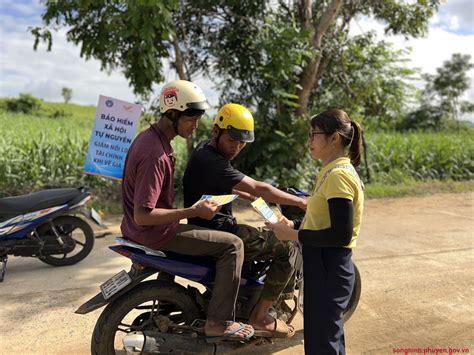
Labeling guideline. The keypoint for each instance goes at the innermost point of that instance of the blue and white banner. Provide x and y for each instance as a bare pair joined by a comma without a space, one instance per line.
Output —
114,129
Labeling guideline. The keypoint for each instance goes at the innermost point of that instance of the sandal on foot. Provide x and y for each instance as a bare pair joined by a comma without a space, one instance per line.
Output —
231,335
281,330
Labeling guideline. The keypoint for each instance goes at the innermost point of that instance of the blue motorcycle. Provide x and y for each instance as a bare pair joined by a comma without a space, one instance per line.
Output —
160,315
43,225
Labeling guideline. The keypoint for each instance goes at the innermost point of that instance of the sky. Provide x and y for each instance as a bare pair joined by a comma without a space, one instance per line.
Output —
44,73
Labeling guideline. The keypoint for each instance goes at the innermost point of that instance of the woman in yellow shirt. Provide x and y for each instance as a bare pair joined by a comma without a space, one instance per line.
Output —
330,230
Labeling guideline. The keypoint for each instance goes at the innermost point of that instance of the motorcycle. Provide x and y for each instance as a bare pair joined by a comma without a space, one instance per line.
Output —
162,316
43,225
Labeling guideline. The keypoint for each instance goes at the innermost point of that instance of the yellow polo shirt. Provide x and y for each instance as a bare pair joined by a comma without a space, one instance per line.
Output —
338,179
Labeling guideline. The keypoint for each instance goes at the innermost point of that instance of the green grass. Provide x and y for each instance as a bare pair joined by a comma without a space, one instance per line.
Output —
72,120
46,149
417,188
421,156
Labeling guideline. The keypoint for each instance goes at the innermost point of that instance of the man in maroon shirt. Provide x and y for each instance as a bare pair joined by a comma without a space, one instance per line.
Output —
150,219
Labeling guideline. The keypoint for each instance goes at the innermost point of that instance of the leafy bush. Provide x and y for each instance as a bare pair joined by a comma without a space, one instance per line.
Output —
59,113
26,103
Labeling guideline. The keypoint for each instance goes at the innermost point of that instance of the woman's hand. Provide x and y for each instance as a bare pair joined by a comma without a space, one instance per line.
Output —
283,231
286,221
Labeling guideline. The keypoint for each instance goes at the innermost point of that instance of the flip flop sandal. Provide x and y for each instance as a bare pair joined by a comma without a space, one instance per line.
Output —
231,335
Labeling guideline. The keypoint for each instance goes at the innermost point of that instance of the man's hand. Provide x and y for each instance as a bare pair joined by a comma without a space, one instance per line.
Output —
282,231
303,203
206,209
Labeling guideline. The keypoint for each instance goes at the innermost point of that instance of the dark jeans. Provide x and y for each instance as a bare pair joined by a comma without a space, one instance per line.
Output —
328,282
228,249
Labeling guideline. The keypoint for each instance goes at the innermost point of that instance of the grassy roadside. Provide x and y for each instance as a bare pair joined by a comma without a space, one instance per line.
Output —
418,188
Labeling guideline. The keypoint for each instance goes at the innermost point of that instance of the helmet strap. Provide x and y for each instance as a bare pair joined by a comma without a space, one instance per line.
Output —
215,138
175,125
174,118
218,137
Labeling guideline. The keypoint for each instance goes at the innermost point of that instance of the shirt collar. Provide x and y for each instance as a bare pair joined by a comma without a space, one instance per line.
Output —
338,161
164,141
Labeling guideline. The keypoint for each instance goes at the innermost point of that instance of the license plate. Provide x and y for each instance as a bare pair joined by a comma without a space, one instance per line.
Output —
96,216
115,284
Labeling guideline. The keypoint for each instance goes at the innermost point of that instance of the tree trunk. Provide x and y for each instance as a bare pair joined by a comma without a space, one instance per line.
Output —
306,14
180,69
309,75
179,60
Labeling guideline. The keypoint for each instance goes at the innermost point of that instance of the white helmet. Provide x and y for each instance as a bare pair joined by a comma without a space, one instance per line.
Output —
182,95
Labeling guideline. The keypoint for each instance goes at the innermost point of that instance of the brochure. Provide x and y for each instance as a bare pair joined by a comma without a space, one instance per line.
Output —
220,199
264,210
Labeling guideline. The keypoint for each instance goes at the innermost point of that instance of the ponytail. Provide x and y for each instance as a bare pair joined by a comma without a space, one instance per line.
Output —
355,145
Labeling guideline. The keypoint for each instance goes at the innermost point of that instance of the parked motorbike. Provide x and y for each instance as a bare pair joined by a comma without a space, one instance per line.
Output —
43,225
162,316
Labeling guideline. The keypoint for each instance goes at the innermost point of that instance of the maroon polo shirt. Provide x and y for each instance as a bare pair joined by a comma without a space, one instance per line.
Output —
148,181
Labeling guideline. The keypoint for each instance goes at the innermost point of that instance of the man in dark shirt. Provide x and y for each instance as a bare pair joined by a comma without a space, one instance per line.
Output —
209,172
150,219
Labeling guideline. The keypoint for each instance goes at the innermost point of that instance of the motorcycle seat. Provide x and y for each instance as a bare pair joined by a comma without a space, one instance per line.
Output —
13,206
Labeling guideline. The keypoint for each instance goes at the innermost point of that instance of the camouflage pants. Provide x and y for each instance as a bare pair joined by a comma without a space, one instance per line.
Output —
261,245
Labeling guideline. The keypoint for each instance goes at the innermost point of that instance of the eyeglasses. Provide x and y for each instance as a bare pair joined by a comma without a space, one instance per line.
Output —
312,133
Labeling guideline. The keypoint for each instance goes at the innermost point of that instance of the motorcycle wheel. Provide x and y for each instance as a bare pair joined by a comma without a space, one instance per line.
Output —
354,300
136,310
76,233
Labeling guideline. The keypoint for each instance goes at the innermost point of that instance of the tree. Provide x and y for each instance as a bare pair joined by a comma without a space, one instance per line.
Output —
448,85
441,98
270,55
67,94
370,80
277,60
296,39
135,36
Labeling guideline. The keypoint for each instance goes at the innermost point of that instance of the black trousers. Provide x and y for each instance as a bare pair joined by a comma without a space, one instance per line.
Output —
328,284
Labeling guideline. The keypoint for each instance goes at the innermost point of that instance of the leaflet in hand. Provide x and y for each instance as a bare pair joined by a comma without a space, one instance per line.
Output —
220,199
264,210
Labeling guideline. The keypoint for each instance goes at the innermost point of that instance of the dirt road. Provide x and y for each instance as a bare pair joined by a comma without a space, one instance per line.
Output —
415,256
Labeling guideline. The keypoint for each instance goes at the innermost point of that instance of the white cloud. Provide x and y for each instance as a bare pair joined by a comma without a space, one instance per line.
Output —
23,9
430,52
44,73
456,15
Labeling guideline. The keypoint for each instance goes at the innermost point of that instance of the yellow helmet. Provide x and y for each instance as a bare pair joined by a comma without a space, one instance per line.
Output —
237,120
